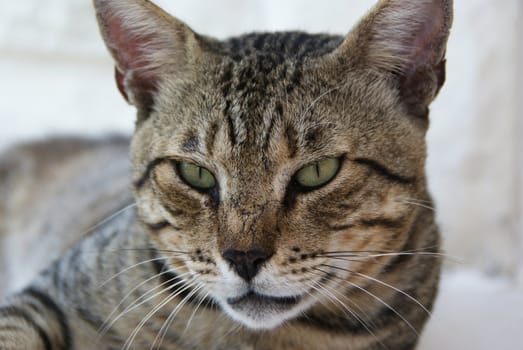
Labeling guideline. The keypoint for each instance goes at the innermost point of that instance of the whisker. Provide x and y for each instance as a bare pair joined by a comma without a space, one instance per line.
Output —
383,302
109,218
170,319
332,297
317,99
234,329
202,299
137,329
421,205
104,327
376,253
424,254
137,303
410,297
369,322
414,200
134,304
149,249
351,259
129,268
424,249
439,255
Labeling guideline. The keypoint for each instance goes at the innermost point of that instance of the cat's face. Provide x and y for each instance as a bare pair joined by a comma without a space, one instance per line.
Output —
258,186
274,177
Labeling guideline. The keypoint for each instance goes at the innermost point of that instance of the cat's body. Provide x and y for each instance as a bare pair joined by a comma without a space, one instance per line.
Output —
279,187
52,193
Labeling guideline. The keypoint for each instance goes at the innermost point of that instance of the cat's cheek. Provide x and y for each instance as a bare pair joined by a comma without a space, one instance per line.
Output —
149,208
169,239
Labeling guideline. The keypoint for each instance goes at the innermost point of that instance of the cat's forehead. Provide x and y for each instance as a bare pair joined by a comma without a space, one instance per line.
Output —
244,111
271,97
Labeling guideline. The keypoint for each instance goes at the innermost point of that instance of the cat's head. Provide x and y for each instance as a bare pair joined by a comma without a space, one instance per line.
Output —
270,164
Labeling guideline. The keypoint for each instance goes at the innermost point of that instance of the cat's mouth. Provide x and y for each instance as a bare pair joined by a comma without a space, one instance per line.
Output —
258,310
261,311
261,301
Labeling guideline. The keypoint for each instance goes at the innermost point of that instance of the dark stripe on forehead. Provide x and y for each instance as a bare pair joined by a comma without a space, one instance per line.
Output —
268,132
296,77
317,138
231,130
210,138
292,140
191,143
226,79
384,172
268,135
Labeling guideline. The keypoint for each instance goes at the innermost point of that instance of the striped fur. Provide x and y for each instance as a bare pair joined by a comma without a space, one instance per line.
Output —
257,261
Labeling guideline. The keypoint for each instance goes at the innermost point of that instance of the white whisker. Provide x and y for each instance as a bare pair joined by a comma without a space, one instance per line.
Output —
129,268
170,319
331,296
317,99
202,299
134,305
105,326
418,204
388,306
137,329
395,289
383,302
109,218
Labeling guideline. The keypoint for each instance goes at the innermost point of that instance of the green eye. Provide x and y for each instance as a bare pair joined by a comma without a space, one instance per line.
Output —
196,176
318,173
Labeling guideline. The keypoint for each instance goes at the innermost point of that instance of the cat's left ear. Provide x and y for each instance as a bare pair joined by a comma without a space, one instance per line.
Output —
406,38
145,43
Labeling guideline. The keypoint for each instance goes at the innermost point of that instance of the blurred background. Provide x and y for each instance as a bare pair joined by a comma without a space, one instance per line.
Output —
57,78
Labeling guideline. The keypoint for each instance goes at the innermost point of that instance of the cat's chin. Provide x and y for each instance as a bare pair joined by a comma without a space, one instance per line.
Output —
262,312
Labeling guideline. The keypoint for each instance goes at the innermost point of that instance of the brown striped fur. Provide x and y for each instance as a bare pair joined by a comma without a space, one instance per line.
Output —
257,261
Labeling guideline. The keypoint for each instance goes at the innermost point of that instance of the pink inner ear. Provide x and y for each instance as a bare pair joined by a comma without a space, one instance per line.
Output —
135,78
128,48
426,46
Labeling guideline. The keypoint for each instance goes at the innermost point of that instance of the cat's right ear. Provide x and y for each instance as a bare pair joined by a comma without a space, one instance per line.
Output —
145,42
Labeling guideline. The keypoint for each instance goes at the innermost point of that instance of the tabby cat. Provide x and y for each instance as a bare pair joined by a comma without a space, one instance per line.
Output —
278,201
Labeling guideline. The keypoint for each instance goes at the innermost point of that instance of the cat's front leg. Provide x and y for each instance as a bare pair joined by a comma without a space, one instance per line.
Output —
32,320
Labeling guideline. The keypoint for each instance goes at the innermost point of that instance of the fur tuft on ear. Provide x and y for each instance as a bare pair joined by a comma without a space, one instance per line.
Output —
408,39
145,42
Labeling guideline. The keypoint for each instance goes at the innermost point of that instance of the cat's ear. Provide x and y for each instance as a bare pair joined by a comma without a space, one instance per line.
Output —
145,42
408,39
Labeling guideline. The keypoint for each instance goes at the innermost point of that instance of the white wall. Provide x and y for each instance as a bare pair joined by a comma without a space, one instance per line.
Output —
519,204
56,77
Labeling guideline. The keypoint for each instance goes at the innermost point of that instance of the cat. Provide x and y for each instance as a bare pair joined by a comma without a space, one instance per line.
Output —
279,197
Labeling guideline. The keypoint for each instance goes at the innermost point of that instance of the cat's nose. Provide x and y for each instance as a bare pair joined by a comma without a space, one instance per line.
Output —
246,263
